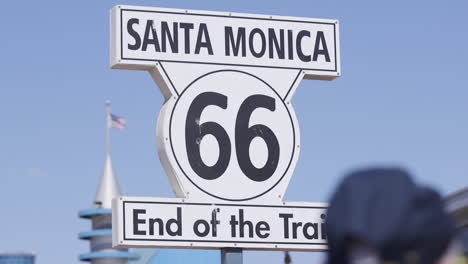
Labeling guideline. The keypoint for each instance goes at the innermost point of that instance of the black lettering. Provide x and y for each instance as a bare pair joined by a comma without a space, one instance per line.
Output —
324,51
300,53
251,42
206,228
273,41
306,233
172,38
203,33
133,33
137,221
243,223
214,223
152,221
186,27
239,44
260,227
233,224
286,223
147,40
177,222
323,230
290,45
295,226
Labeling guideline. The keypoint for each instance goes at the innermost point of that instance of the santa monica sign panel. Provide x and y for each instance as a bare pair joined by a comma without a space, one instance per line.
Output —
227,134
143,36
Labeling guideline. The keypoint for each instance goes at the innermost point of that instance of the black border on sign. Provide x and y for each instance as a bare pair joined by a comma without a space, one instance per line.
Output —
236,17
217,241
290,118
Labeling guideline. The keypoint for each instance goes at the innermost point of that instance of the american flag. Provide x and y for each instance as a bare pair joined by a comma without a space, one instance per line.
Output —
116,122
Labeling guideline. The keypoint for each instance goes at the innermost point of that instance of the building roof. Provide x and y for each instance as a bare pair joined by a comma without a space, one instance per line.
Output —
108,187
16,253
111,255
95,233
88,213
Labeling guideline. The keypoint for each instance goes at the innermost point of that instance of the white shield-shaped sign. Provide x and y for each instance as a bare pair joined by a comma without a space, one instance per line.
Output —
227,133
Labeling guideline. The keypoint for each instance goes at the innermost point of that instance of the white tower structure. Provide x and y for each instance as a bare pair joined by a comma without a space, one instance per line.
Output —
100,237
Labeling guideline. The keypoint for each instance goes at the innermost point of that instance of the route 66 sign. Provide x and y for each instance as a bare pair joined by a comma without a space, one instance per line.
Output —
240,134
227,132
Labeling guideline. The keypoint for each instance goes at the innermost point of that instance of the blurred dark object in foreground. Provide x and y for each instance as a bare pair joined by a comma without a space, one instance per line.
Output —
383,214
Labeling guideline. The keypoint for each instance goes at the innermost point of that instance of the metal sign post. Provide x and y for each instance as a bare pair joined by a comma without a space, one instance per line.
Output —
231,256
227,134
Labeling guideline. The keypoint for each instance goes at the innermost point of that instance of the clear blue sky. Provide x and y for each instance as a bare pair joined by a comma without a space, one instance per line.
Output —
402,100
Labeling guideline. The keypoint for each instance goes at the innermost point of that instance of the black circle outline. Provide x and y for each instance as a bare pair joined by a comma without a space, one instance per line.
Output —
185,174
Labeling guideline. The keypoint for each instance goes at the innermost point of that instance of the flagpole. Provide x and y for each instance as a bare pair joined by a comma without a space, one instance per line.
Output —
108,116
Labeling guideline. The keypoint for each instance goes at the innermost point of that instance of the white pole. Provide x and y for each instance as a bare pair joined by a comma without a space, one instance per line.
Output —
108,124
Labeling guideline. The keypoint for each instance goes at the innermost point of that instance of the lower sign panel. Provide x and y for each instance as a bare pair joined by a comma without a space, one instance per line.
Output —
175,223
